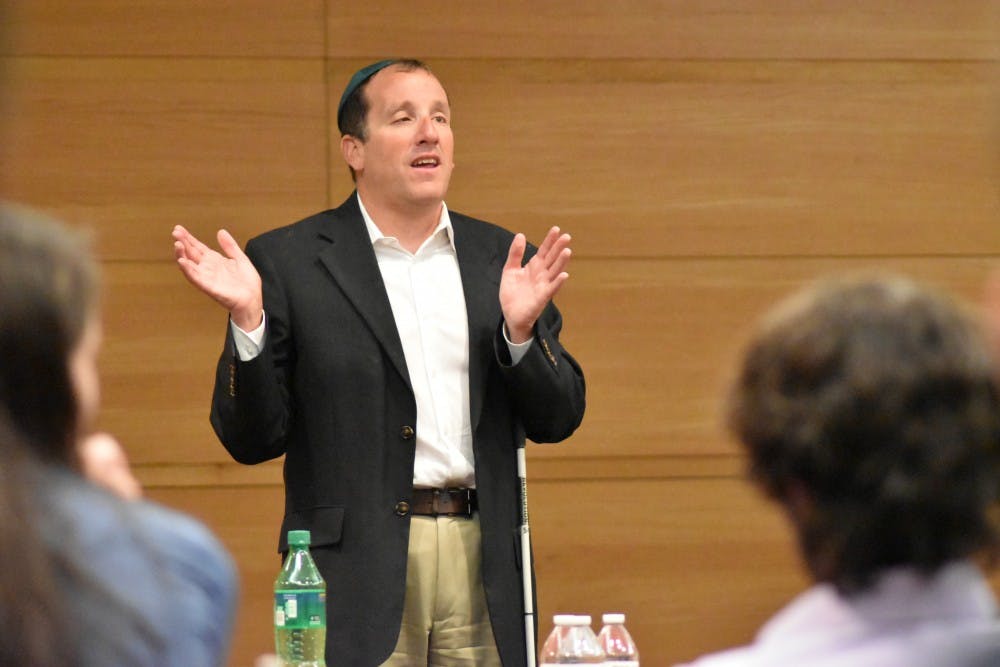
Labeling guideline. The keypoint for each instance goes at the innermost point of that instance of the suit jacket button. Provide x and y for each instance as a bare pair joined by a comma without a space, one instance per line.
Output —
402,508
406,432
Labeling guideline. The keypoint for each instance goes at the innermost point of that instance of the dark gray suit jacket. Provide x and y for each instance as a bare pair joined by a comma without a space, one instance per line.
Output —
331,392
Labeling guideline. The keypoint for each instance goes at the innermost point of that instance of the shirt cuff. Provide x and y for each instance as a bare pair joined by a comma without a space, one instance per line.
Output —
249,344
517,350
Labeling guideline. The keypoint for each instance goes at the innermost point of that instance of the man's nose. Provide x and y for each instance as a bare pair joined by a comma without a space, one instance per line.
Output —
427,130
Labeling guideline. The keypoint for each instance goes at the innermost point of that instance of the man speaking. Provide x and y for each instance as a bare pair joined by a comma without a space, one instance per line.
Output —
397,353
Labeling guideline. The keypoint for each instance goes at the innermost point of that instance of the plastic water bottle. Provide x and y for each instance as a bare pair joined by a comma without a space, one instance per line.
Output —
572,642
616,642
300,607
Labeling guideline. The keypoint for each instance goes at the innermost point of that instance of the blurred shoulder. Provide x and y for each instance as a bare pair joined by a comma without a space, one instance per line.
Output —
92,520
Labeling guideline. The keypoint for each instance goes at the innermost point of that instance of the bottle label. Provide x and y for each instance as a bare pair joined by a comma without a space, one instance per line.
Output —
300,609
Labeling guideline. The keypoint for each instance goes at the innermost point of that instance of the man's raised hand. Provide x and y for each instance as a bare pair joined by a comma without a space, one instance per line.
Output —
525,290
229,278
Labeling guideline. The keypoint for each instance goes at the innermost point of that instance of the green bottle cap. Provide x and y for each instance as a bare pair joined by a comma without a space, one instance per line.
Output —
299,538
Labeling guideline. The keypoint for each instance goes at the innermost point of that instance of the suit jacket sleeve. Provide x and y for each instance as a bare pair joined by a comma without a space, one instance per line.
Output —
547,386
251,407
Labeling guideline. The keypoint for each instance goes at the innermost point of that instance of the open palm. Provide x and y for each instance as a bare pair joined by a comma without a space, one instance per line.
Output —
230,279
525,290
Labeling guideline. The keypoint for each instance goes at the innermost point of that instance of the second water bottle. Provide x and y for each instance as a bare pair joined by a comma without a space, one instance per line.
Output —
616,642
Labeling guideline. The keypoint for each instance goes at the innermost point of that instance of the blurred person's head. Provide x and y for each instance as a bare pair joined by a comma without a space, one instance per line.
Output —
870,409
49,331
49,338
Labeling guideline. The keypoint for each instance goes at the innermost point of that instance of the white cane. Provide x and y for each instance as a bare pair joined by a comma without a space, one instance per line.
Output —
529,593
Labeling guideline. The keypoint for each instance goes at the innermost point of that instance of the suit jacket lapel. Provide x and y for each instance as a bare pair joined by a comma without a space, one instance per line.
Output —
480,266
348,255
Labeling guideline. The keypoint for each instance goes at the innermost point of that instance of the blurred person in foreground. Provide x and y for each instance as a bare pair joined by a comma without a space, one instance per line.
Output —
869,408
95,575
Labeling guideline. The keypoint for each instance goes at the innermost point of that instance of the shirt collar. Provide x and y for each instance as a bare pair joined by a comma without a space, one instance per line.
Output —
443,227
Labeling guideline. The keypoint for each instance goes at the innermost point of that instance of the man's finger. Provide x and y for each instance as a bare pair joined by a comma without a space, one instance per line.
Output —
560,262
553,259
558,282
549,290
192,272
548,241
516,253
191,246
229,245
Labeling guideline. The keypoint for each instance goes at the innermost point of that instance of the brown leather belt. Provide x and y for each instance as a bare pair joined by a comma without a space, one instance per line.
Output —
444,502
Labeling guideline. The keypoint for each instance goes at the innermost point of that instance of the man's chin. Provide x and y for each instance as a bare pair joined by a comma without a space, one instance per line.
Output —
429,192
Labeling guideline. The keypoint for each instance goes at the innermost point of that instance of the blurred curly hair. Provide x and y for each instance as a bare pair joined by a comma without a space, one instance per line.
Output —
878,398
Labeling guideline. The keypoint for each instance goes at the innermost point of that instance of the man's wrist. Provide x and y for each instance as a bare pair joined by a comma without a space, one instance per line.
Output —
518,335
247,320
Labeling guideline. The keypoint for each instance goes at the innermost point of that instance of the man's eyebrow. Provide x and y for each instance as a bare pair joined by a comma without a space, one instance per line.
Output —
405,105
410,107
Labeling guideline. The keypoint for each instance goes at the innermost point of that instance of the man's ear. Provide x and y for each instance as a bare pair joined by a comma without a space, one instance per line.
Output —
353,150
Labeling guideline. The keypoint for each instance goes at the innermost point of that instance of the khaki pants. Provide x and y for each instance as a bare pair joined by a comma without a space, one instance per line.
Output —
445,620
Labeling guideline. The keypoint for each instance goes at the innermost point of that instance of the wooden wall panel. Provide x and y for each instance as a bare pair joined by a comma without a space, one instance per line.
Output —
656,158
162,339
594,30
134,146
658,339
251,28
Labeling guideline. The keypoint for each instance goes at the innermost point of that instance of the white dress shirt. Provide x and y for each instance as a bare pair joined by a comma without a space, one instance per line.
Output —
428,305
905,620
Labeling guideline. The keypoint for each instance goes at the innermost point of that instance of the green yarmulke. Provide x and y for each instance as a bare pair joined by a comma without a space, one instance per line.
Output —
359,78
